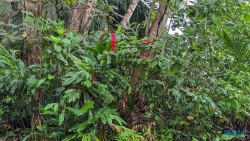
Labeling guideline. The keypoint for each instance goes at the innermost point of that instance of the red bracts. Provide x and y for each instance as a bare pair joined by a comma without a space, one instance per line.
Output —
113,42
149,40
103,33
145,56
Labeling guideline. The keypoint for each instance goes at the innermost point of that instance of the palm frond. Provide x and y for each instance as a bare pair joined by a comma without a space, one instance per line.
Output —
237,47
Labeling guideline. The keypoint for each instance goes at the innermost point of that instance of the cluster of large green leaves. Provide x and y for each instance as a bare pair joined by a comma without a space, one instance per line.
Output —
208,91
204,96
232,24
225,24
74,87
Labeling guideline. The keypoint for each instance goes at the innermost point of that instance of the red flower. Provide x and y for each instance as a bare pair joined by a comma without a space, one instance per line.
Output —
145,56
113,42
144,42
149,40
104,32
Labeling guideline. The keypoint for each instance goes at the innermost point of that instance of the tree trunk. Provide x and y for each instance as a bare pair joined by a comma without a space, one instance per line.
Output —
32,50
81,17
155,30
160,20
152,6
129,12
31,42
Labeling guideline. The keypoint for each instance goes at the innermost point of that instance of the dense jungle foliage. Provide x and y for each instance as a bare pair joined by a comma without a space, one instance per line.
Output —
191,86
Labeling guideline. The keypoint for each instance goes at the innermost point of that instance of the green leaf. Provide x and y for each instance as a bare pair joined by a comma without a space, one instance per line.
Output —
119,29
51,121
26,138
61,118
57,48
66,42
72,95
80,127
70,80
41,128
100,48
54,39
226,137
29,19
194,139
60,31
6,61
75,111
40,82
108,115
86,137
56,134
50,76
108,47
228,40
78,62
89,137
49,113
69,137
87,83
5,52
56,107
88,105
94,137
1,112
6,57
70,1
50,106
117,119
62,58
28,13
247,17
92,50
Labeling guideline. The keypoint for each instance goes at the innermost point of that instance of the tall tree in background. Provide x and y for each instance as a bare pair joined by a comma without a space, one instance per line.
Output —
81,16
160,20
31,39
33,49
129,12
155,30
